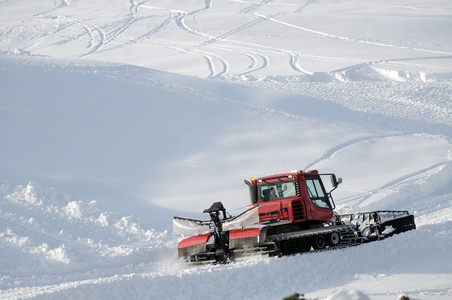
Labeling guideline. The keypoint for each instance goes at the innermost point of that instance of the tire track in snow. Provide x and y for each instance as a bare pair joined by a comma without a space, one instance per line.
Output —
254,64
254,6
115,29
7,2
293,56
212,39
360,198
341,147
97,38
382,61
211,65
63,3
381,44
28,39
133,7
208,57
301,8
181,23
96,35
208,4
109,33
402,179
126,23
146,35
229,33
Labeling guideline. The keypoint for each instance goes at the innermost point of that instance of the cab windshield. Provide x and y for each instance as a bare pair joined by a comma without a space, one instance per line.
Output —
317,193
276,190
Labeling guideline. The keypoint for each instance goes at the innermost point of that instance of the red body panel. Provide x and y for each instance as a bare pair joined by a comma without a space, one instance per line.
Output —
244,233
266,210
194,240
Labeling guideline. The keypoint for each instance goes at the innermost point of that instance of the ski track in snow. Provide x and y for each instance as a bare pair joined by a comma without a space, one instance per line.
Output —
304,6
117,32
63,3
359,199
254,6
386,61
381,44
335,150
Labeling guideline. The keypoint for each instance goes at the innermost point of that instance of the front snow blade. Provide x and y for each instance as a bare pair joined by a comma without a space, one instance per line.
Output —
245,219
377,225
191,226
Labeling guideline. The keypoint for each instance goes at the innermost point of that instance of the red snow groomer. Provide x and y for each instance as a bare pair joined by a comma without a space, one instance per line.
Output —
289,213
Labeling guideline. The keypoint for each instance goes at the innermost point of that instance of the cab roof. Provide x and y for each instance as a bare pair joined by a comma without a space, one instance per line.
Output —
283,175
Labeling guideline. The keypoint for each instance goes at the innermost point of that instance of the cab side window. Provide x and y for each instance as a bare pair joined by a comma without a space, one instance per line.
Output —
317,193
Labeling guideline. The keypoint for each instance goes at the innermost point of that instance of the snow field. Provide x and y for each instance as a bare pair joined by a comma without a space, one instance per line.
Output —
115,117
80,251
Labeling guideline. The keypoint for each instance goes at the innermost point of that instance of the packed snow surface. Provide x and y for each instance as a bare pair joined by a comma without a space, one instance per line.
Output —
116,116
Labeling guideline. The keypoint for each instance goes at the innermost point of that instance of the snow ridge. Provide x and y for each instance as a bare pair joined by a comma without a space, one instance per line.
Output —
48,232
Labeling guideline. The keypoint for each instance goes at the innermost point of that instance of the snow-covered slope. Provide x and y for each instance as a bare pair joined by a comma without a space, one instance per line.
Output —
240,38
44,228
54,247
127,136
114,117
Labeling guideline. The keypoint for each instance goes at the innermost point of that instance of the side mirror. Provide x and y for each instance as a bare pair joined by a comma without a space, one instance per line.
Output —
335,181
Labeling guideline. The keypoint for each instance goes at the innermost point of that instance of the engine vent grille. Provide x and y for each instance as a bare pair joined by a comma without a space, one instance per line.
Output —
297,188
297,210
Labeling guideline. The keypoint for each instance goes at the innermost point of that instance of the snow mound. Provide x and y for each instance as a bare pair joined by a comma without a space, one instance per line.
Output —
342,294
47,232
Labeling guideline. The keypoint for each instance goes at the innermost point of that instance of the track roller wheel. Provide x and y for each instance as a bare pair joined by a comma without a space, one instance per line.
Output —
318,242
289,247
334,239
304,245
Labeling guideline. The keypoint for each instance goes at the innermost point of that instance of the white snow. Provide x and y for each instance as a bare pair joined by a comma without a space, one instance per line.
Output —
117,116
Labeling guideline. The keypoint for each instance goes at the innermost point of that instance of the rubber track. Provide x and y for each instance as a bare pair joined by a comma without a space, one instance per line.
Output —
347,233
